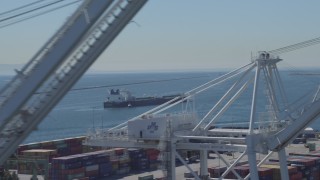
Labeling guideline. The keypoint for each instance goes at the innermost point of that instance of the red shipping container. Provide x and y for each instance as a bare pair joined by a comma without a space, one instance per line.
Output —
153,157
264,171
151,152
230,175
315,175
211,169
119,151
243,171
296,176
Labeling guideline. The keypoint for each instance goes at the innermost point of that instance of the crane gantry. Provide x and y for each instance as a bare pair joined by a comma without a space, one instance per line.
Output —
265,136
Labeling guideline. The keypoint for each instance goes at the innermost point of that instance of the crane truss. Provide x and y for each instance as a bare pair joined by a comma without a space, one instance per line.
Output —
57,66
266,136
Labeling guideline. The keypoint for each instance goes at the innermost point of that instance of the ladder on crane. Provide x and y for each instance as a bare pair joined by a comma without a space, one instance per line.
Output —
57,66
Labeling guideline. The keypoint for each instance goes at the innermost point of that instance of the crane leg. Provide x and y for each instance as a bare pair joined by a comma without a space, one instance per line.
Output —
283,164
252,158
204,164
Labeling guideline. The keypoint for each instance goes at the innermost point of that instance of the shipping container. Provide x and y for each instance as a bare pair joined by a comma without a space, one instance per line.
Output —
216,172
243,171
39,152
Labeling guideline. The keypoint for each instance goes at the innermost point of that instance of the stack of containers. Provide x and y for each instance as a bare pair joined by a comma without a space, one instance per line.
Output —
46,154
28,147
64,147
27,167
152,155
74,145
93,165
105,169
216,172
98,164
121,155
86,149
276,171
1,171
230,175
264,173
47,145
68,167
308,166
36,158
243,171
315,154
103,159
138,159
89,162
68,146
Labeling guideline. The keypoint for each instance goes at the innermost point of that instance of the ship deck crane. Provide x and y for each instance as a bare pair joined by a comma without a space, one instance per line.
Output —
58,65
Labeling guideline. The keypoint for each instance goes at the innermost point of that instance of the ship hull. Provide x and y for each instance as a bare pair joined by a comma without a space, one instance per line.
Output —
139,102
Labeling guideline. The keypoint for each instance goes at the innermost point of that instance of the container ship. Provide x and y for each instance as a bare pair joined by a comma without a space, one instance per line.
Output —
123,98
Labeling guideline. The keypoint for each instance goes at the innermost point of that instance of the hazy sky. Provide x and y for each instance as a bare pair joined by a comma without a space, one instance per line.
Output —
184,34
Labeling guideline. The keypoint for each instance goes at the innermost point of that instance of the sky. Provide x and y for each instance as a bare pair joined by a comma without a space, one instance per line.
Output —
183,35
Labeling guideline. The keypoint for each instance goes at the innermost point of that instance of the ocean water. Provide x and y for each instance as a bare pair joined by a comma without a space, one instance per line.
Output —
82,108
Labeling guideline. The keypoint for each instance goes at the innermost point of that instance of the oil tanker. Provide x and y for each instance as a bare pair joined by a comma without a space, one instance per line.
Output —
123,98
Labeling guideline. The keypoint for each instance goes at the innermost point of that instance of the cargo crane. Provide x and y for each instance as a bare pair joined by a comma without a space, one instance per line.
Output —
57,66
77,44
265,136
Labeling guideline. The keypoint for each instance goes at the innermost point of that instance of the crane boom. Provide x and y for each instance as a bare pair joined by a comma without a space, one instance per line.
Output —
296,46
284,137
57,67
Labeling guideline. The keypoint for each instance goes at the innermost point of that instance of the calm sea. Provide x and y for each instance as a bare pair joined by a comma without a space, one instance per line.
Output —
82,108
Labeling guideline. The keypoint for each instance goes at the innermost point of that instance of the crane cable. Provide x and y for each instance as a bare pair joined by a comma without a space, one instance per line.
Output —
5,24
296,46
29,11
21,7
274,52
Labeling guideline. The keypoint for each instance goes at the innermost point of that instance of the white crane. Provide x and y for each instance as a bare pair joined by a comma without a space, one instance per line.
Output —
263,137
